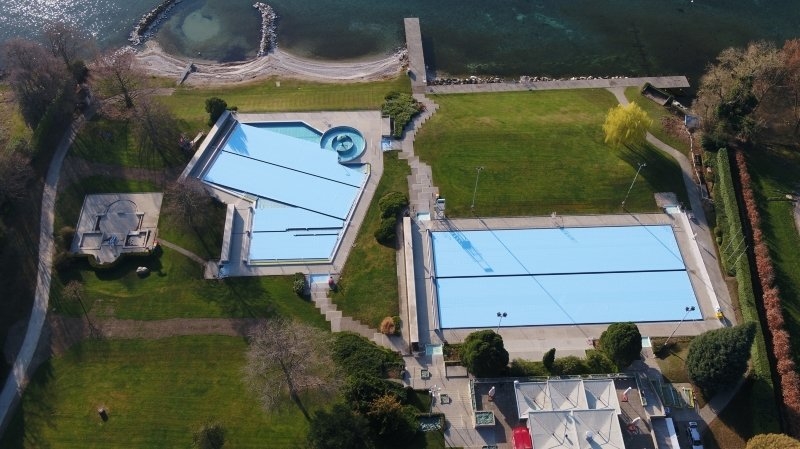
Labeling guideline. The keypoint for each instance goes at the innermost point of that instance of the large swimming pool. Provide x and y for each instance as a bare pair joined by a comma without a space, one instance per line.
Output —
560,276
302,195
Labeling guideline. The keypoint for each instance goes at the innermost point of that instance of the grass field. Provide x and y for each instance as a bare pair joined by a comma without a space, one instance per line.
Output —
541,152
775,173
157,393
283,95
660,114
368,284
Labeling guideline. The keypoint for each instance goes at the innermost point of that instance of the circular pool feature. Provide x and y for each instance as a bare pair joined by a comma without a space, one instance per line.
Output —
346,141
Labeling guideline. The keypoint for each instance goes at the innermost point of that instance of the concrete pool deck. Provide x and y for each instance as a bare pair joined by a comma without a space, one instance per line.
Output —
369,123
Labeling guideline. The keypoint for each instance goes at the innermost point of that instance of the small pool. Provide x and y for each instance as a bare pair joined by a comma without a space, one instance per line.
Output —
346,141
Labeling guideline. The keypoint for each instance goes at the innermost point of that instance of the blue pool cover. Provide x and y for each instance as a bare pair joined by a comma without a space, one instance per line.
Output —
310,195
560,276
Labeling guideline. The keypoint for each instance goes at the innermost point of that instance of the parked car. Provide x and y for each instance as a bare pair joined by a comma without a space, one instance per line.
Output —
694,435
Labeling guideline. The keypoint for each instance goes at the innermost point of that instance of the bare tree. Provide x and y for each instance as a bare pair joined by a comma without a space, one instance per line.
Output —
117,76
791,60
36,77
288,357
15,174
73,292
186,201
68,44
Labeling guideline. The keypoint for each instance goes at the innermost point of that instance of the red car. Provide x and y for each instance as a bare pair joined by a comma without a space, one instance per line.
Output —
522,438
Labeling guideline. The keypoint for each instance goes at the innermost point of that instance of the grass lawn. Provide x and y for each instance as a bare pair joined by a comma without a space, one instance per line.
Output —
113,142
775,173
12,125
282,95
368,283
672,360
157,392
541,152
661,116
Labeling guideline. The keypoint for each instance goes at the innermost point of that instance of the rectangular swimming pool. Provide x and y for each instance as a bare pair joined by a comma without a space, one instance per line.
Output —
560,276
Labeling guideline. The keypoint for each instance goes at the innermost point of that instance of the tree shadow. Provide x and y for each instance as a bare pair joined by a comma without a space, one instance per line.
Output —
34,414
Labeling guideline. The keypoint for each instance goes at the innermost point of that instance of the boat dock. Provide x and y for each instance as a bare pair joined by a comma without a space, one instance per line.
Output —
416,59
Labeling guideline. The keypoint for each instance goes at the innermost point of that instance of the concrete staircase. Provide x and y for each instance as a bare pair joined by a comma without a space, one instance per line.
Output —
422,192
340,323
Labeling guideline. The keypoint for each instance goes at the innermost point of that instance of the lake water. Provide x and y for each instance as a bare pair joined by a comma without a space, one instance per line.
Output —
508,37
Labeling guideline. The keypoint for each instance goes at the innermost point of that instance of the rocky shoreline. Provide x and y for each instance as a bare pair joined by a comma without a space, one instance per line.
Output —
449,81
269,36
143,30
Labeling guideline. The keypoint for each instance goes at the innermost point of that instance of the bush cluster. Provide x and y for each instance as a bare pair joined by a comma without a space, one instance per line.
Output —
401,108
357,355
595,363
390,205
773,310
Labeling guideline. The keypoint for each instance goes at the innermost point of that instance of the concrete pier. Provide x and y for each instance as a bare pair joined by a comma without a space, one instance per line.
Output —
416,59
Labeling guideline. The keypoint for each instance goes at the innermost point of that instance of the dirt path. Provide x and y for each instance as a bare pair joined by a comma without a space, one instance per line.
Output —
64,332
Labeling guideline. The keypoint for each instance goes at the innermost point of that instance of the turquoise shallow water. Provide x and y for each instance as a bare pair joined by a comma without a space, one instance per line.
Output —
513,37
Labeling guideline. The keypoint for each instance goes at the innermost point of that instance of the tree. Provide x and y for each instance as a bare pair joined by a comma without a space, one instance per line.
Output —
626,125
68,44
185,200
36,78
717,359
73,292
391,421
622,343
340,428
732,88
484,354
287,357
790,54
116,76
15,174
548,359
401,107
361,390
215,106
772,441
211,435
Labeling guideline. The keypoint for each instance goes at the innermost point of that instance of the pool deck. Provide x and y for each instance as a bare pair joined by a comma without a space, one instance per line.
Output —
369,124
531,342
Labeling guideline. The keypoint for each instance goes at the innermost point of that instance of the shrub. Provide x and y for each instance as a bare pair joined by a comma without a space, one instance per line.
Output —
401,107
570,366
299,285
357,355
215,107
388,326
386,233
598,363
622,343
772,441
717,359
361,390
339,429
548,359
527,368
484,354
65,237
210,435
392,204
392,421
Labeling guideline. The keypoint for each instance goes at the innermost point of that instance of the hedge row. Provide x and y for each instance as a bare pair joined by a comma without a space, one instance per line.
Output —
773,311
729,223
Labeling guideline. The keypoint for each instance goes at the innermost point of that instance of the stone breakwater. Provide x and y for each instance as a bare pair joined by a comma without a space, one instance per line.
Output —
268,34
522,80
144,29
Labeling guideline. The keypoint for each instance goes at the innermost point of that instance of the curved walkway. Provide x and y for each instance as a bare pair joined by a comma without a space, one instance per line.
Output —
18,377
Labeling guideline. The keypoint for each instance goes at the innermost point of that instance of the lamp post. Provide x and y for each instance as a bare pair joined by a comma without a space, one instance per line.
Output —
500,315
475,190
688,309
641,165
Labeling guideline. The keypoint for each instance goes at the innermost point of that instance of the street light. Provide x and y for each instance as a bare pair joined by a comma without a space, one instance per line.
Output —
688,309
475,190
641,165
500,315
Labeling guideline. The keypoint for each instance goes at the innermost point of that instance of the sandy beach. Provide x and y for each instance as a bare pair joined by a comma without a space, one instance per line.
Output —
155,61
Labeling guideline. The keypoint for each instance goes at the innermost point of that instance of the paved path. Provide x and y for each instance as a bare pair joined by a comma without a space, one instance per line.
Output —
18,377
597,83
183,251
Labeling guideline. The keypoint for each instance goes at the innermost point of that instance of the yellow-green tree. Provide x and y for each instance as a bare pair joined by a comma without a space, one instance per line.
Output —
626,125
772,441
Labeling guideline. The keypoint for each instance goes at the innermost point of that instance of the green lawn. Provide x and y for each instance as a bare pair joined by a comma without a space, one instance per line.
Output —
114,142
672,360
659,113
283,95
775,173
157,392
541,152
368,283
